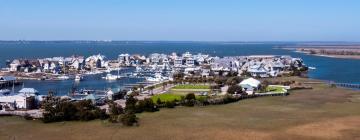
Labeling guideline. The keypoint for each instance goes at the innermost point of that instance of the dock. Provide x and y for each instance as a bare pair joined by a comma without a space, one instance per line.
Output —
9,84
347,85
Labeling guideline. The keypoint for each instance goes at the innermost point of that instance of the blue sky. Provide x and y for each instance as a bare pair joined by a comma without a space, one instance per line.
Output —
191,20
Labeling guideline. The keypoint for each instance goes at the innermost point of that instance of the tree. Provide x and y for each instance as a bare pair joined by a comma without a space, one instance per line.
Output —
119,95
146,105
190,96
130,104
115,109
234,89
219,80
128,119
190,100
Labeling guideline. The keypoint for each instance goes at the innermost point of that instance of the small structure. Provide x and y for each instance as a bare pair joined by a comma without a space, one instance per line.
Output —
250,85
25,99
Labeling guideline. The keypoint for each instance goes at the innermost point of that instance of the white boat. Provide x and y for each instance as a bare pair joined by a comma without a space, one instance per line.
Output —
78,78
4,91
111,77
152,79
157,78
63,77
312,68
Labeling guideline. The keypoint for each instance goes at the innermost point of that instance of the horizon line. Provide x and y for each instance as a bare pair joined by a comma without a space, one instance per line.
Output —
80,40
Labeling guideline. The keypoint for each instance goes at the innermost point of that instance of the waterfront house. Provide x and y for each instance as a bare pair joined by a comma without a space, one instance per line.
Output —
124,59
187,55
95,61
14,65
190,62
258,70
178,62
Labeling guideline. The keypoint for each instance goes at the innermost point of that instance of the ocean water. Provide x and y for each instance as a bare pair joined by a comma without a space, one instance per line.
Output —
332,69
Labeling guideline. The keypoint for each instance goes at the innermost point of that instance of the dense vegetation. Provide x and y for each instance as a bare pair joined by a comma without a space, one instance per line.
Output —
56,109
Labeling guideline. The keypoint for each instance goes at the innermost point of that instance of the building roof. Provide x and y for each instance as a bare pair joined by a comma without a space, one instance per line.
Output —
250,81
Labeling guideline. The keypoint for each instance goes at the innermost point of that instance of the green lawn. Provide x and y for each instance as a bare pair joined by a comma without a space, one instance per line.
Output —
188,86
166,97
173,96
274,89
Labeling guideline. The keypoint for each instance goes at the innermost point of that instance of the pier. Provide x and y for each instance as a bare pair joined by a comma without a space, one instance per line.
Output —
347,85
9,84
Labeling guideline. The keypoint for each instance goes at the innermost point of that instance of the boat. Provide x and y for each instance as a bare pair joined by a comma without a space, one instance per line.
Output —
157,78
111,77
78,78
4,92
63,77
312,68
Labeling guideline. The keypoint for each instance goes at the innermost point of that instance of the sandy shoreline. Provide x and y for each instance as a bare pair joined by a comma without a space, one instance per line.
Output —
320,52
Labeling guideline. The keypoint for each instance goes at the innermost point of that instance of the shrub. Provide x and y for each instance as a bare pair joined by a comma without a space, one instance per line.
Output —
234,89
158,101
190,96
146,105
115,109
170,104
128,119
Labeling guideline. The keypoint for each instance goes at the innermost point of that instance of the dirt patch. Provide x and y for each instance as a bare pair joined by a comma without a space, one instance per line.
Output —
330,128
319,97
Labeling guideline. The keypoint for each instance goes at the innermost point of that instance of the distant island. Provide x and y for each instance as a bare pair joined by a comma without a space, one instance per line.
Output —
346,51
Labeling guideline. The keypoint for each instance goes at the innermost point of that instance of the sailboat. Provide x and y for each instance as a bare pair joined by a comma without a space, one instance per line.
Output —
112,77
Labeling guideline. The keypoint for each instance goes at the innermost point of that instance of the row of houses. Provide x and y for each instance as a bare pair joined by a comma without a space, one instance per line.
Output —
255,65
57,64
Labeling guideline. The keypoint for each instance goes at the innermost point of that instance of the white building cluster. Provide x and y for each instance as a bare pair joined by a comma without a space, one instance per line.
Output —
205,65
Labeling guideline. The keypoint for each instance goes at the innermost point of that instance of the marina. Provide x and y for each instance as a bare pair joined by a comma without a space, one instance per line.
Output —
134,71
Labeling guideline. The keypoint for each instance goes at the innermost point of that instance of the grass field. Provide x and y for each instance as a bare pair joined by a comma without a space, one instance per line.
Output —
166,97
274,89
321,113
189,86
173,96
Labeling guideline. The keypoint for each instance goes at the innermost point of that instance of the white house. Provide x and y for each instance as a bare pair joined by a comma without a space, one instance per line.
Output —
250,85
19,100
14,65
